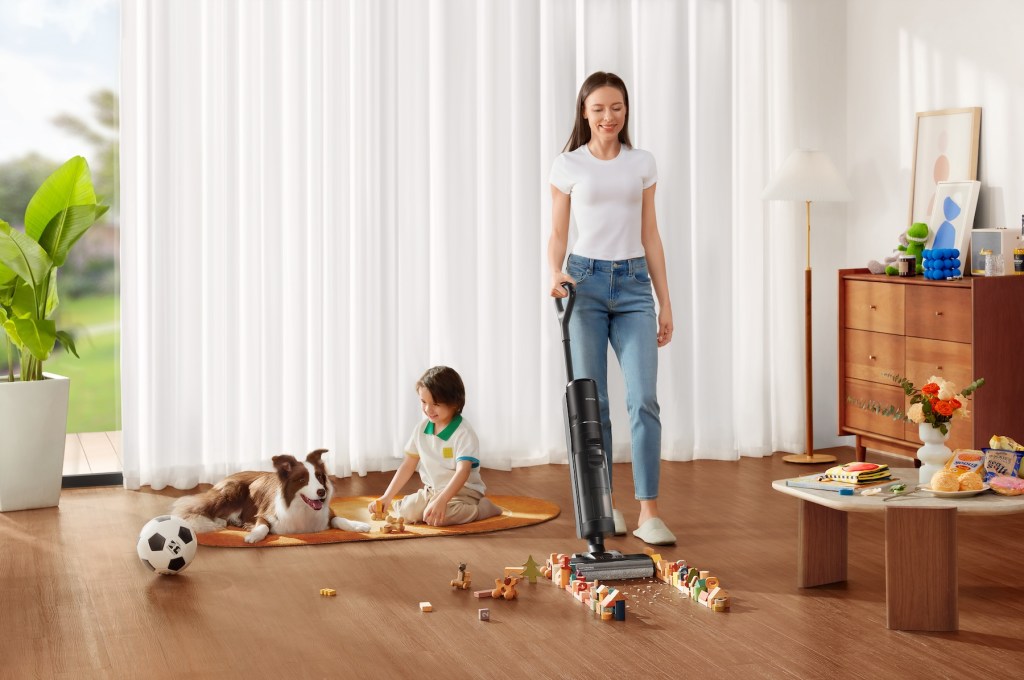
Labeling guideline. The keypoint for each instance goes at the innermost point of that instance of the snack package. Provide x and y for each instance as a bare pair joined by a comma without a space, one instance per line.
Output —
1002,443
1002,463
966,460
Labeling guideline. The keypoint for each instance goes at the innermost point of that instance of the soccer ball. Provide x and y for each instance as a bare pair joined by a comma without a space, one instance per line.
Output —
166,544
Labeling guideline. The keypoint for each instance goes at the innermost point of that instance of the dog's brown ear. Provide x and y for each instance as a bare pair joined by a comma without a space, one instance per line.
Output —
314,456
284,464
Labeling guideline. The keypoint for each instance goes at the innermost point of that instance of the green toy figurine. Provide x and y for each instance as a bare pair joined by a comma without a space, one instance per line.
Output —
917,236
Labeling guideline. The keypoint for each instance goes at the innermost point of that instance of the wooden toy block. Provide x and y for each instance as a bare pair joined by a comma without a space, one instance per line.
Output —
607,615
328,592
711,582
393,525
483,614
426,607
378,511
619,612
648,550
514,571
482,593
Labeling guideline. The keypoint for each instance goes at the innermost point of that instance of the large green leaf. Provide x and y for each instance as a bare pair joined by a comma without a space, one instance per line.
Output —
70,184
66,228
12,332
68,341
24,303
37,335
7,275
52,299
23,255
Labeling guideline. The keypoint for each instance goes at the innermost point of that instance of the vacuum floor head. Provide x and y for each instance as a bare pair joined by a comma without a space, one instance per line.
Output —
611,566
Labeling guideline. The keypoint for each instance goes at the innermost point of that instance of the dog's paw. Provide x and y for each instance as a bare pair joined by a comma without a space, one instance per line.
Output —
257,534
349,525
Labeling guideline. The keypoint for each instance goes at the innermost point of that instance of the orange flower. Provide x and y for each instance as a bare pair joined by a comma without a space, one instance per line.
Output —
943,408
933,401
930,388
955,403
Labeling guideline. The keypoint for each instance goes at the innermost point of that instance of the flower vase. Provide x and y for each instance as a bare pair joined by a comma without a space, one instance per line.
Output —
934,454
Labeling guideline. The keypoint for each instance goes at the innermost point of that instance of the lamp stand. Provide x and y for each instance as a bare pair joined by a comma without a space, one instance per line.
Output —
810,457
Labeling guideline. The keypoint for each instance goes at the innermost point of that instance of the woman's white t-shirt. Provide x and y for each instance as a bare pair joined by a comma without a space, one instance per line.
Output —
607,199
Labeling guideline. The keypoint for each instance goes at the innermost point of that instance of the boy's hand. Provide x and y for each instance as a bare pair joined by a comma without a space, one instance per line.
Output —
434,512
385,505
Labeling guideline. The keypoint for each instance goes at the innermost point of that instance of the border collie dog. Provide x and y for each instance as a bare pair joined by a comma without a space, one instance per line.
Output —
295,499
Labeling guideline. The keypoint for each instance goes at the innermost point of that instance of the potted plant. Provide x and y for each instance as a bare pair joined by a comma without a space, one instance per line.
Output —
34,404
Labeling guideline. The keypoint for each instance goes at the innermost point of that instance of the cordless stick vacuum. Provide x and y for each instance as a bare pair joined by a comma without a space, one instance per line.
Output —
589,474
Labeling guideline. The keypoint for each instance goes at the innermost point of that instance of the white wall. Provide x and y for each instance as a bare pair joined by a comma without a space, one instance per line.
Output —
922,55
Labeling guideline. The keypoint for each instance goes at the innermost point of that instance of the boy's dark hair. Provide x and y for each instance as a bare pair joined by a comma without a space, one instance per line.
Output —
445,386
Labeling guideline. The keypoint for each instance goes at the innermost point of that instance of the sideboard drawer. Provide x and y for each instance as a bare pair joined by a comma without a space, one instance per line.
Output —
874,306
949,360
869,355
940,313
862,419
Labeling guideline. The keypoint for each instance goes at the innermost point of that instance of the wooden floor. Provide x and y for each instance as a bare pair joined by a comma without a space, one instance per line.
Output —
75,602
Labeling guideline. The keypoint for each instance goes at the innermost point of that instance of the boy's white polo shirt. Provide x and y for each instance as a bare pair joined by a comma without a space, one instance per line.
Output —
439,453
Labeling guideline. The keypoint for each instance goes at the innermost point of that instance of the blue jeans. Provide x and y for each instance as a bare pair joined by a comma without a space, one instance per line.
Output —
615,303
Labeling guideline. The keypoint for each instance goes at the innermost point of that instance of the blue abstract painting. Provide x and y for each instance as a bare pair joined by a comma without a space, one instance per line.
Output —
945,236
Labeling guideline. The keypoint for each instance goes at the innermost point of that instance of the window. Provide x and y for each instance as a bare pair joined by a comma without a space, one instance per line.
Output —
59,72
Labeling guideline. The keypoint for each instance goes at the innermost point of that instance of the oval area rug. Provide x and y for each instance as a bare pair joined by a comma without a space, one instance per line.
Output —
517,511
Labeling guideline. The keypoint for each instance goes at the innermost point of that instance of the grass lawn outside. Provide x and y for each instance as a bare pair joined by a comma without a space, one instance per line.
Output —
95,401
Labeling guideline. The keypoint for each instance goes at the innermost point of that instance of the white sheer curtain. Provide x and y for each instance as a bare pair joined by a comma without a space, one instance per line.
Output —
322,199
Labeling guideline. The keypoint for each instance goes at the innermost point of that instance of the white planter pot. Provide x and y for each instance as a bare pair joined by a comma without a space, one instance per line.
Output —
33,429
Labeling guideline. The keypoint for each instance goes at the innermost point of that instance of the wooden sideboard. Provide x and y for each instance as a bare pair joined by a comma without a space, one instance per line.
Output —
959,330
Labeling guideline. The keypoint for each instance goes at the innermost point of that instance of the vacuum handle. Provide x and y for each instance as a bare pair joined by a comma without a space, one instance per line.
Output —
563,319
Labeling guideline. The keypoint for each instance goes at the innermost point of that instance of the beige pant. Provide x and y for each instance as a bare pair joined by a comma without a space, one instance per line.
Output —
467,506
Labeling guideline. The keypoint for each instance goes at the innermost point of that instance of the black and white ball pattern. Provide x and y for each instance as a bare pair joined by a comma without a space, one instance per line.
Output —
167,545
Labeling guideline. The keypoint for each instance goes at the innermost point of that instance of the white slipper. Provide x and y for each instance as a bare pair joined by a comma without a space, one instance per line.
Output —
620,523
654,532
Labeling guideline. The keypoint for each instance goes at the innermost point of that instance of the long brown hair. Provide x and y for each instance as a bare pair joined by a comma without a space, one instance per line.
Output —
581,129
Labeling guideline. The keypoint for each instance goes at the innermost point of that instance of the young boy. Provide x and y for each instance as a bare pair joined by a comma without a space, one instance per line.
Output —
445,450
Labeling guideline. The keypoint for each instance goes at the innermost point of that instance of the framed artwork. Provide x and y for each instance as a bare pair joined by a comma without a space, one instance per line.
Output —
953,216
945,150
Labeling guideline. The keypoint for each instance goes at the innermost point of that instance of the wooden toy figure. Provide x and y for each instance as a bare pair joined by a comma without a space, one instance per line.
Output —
505,588
462,581
378,511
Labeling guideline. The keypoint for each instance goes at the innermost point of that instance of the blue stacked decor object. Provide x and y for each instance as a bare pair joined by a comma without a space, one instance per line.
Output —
941,263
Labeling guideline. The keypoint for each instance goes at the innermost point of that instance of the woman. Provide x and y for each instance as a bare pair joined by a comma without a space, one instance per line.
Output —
608,186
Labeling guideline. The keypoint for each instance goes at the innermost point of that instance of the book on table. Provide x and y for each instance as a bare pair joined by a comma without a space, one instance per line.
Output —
820,481
859,472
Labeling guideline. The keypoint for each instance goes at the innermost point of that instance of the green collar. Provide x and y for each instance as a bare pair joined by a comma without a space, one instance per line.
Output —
448,431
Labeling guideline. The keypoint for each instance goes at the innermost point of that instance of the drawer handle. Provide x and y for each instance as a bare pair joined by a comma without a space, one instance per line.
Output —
938,313
872,357
938,368
872,307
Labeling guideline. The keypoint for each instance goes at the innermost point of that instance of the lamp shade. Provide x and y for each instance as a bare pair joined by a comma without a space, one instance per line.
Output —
807,176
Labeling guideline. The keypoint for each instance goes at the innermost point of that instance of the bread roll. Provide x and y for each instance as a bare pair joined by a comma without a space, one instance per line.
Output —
970,481
945,480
